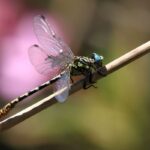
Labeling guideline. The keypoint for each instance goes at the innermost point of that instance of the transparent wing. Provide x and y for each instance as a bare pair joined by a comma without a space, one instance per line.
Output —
64,81
51,44
42,62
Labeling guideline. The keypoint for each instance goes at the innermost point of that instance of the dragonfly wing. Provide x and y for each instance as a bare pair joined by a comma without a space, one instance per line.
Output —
48,39
63,82
42,62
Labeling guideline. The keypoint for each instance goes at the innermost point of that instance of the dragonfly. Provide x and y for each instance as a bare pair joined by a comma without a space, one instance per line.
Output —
54,58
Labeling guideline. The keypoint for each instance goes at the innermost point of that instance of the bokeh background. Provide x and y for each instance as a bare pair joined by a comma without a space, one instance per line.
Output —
113,117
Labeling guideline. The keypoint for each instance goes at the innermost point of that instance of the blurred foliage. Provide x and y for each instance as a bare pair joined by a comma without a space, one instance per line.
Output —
116,115
37,4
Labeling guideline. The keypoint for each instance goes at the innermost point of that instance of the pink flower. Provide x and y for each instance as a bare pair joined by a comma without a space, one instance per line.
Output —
17,73
10,11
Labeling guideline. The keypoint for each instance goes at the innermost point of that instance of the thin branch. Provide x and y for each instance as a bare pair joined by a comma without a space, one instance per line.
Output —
128,57
29,111
49,101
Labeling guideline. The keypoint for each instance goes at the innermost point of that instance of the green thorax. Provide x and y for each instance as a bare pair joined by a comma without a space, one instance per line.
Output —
82,65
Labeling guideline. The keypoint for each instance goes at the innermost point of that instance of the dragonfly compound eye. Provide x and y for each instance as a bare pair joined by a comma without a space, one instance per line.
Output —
97,57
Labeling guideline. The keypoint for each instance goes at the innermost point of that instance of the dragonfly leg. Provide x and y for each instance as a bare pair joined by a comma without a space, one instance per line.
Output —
72,81
86,86
89,81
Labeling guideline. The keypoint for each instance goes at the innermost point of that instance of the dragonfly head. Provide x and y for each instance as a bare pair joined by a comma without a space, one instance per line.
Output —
97,58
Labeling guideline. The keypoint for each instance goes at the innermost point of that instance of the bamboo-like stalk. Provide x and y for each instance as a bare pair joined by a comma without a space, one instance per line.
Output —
48,101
